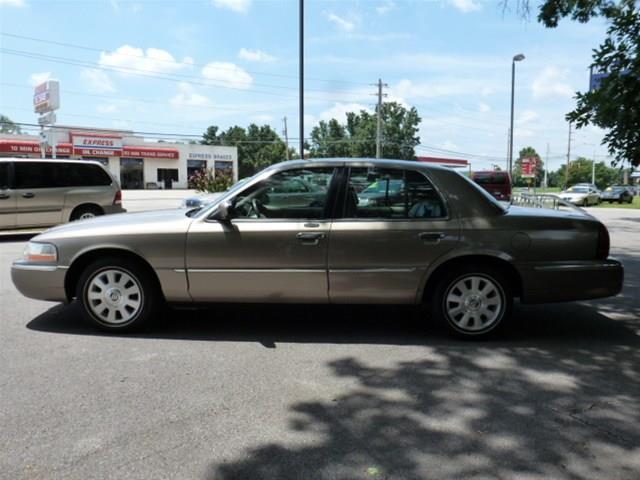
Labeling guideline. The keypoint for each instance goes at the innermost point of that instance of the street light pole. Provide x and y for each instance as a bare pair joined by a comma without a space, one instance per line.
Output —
517,58
301,63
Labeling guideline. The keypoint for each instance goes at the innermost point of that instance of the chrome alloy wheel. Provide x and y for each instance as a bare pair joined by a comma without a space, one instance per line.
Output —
87,215
474,303
114,296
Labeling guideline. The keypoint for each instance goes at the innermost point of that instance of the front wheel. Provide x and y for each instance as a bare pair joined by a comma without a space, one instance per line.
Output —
117,295
473,301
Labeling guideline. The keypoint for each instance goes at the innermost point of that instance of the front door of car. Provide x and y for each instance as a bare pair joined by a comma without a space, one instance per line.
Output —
40,200
270,249
387,237
7,197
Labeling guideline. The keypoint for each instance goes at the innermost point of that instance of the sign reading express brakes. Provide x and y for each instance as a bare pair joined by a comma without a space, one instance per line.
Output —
96,145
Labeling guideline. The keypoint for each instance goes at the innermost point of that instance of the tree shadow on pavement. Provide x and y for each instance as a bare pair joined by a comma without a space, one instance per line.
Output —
550,409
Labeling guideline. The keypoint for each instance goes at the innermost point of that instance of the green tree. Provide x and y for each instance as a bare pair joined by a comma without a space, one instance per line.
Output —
614,106
8,126
580,171
258,146
358,137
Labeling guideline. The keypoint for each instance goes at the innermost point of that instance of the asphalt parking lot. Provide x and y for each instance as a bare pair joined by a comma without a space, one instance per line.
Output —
252,392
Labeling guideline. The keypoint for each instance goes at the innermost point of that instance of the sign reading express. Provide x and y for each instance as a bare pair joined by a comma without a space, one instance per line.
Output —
97,145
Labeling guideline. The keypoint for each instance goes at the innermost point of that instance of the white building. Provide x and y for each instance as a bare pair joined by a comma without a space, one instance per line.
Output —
135,162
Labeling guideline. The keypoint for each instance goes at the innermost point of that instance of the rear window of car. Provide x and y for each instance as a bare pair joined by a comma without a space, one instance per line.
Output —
490,178
56,175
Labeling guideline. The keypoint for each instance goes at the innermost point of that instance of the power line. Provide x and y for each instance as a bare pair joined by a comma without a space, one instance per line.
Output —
175,62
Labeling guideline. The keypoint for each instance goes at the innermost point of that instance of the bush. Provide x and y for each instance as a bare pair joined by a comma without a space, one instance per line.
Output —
207,181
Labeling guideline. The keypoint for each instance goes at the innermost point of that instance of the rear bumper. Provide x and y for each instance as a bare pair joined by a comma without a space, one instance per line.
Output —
567,281
39,281
108,210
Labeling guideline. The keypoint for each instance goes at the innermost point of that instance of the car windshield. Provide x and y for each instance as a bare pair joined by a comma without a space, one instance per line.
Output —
578,190
484,193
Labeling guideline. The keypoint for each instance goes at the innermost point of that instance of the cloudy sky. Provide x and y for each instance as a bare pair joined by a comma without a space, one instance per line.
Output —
178,66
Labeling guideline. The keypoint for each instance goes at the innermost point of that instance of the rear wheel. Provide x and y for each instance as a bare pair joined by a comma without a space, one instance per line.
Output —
117,295
85,212
473,301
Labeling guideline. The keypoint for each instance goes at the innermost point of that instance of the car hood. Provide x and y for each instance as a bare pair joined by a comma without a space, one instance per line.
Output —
159,221
572,195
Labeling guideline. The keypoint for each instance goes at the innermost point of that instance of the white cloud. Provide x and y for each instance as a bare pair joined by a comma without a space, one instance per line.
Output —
13,3
486,91
131,60
255,55
186,96
483,107
339,111
449,145
263,118
240,6
552,82
386,7
342,23
97,80
527,116
465,6
108,108
38,78
228,73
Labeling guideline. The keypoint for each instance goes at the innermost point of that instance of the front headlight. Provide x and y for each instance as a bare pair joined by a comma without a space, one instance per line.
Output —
40,253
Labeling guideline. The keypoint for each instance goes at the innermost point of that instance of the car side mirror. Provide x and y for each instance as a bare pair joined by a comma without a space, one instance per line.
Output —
223,212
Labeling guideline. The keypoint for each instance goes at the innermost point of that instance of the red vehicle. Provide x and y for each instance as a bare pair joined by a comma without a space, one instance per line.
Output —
497,183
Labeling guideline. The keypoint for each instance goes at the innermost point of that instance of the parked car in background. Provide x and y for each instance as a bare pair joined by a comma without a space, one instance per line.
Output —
41,193
581,195
497,183
445,243
200,200
617,193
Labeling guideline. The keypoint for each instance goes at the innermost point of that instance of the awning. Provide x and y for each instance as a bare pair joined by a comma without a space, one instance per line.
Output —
150,152
21,147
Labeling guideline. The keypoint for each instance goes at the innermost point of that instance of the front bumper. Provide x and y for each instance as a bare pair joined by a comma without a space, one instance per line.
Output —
42,282
568,281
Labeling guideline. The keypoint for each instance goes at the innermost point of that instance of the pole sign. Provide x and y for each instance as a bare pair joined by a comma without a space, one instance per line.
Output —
529,167
596,78
46,97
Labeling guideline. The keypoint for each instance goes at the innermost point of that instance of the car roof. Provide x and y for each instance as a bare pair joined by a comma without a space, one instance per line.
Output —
48,160
347,161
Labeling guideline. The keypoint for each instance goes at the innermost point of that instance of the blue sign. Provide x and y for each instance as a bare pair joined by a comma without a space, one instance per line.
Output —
595,79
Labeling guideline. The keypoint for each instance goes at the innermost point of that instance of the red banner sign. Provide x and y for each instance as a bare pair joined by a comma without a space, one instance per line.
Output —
147,152
21,148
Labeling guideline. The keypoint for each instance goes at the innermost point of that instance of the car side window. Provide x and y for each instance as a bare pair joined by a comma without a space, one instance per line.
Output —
378,193
34,175
300,193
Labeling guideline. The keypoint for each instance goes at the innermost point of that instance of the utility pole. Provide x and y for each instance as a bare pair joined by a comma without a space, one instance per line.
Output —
286,136
546,168
566,170
301,65
379,113
508,146
593,169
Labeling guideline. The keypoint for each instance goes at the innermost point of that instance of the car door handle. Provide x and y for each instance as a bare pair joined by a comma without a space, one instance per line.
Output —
28,195
309,238
431,237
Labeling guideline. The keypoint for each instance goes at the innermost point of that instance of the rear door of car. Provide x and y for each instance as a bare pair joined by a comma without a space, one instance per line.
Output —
40,200
380,249
272,249
7,196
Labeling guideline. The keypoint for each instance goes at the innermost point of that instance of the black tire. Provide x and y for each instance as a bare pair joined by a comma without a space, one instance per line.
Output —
114,296
85,212
482,328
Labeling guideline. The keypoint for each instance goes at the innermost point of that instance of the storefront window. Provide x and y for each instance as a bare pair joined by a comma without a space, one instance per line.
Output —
166,177
195,166
223,167
131,173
